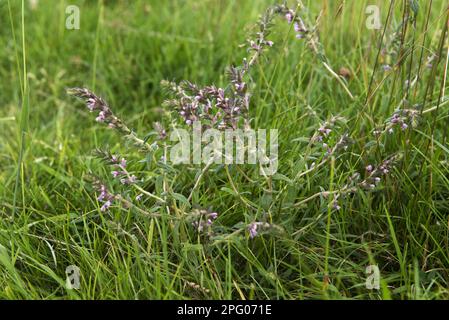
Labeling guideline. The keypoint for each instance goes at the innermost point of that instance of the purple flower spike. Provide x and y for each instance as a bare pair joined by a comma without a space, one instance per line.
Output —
132,179
213,215
104,197
101,196
105,206
289,16
252,230
101,117
325,131
297,27
335,205
91,104
115,174
395,118
103,193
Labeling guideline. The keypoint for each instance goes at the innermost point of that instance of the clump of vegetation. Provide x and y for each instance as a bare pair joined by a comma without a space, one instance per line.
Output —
363,157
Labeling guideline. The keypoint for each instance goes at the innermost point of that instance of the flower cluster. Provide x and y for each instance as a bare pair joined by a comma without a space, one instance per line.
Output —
105,115
203,219
209,104
397,120
289,15
105,196
160,130
119,164
335,204
374,174
121,172
303,29
217,107
139,197
240,94
298,24
404,117
325,129
255,227
401,119
323,136
386,67
259,43
96,104
343,142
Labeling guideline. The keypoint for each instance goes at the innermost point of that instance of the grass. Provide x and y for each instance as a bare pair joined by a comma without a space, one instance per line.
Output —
50,217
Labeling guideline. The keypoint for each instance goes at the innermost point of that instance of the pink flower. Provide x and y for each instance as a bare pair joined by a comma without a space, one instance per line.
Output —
101,117
395,118
324,130
252,228
106,206
115,174
297,27
213,215
289,16
91,104
335,205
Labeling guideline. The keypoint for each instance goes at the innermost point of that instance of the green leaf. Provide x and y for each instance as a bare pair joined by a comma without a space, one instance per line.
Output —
280,176
179,197
228,190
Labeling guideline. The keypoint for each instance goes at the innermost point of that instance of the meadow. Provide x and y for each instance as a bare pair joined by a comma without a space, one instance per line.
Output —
357,209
